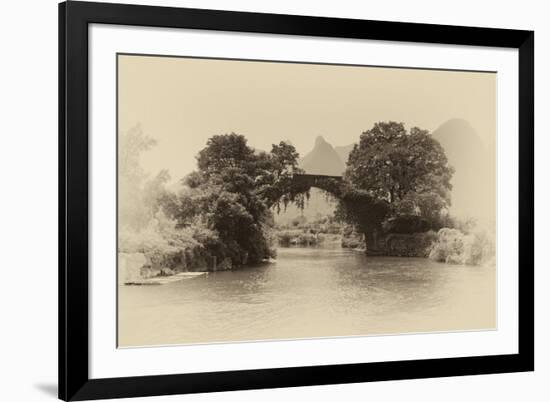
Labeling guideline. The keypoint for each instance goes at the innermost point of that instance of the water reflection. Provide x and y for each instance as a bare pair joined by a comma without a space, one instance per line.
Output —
310,292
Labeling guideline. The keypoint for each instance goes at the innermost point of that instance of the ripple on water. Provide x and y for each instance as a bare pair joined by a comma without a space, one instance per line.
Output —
310,292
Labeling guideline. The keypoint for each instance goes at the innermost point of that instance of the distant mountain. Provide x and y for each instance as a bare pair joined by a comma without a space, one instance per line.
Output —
474,186
322,159
460,141
343,152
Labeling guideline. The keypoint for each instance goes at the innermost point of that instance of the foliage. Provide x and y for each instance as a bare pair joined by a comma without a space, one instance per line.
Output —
361,209
130,147
146,209
276,184
455,247
166,247
135,208
392,164
286,238
232,193
319,224
229,161
351,239
395,181
303,232
406,224
405,169
225,152
298,221
224,212
465,225
392,173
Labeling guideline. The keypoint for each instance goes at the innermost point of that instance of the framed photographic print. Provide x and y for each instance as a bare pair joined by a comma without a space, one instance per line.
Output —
257,201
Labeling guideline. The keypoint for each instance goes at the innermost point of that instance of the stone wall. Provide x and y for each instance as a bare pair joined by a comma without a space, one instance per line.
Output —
406,245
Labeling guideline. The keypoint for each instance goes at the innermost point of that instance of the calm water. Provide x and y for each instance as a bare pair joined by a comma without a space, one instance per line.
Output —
310,292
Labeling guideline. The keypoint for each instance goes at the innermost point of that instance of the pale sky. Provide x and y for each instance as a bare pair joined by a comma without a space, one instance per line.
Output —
181,102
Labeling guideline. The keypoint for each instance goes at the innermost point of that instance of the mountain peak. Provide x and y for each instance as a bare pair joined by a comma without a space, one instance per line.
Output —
320,141
322,159
455,124
458,138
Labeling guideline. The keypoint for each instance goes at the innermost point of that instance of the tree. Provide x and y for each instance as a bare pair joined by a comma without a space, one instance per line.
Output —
134,206
364,211
232,192
392,164
394,173
276,184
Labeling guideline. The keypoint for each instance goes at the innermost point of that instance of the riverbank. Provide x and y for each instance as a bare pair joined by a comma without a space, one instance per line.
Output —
465,246
159,260
304,238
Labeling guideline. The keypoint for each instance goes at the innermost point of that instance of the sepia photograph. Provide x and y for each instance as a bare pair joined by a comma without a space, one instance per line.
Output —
269,200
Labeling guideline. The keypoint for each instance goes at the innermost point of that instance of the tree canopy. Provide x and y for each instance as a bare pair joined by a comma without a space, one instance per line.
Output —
393,173
393,164
393,178
233,190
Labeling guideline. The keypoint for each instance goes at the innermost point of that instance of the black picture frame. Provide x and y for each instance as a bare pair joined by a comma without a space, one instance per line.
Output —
74,381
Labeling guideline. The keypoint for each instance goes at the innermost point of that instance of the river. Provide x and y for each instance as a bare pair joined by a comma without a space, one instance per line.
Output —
310,292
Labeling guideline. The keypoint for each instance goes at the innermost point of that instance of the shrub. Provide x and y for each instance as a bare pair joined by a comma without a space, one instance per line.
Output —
287,238
479,248
298,221
454,247
406,224
167,248
307,239
352,239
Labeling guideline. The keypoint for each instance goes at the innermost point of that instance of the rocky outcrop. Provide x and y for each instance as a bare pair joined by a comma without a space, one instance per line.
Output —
410,245
392,244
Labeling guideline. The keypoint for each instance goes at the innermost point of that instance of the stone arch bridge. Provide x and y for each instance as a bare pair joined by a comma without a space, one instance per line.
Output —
377,242
330,184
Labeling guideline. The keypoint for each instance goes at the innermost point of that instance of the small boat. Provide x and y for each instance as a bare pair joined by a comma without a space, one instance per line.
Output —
163,280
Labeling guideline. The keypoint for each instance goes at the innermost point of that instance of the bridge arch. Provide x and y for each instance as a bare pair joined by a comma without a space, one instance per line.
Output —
365,204
330,184
379,240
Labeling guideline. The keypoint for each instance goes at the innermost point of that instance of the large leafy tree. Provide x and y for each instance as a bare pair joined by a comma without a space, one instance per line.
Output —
394,173
395,165
233,190
224,152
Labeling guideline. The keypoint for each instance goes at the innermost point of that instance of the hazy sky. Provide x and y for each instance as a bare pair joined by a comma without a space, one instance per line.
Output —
182,102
